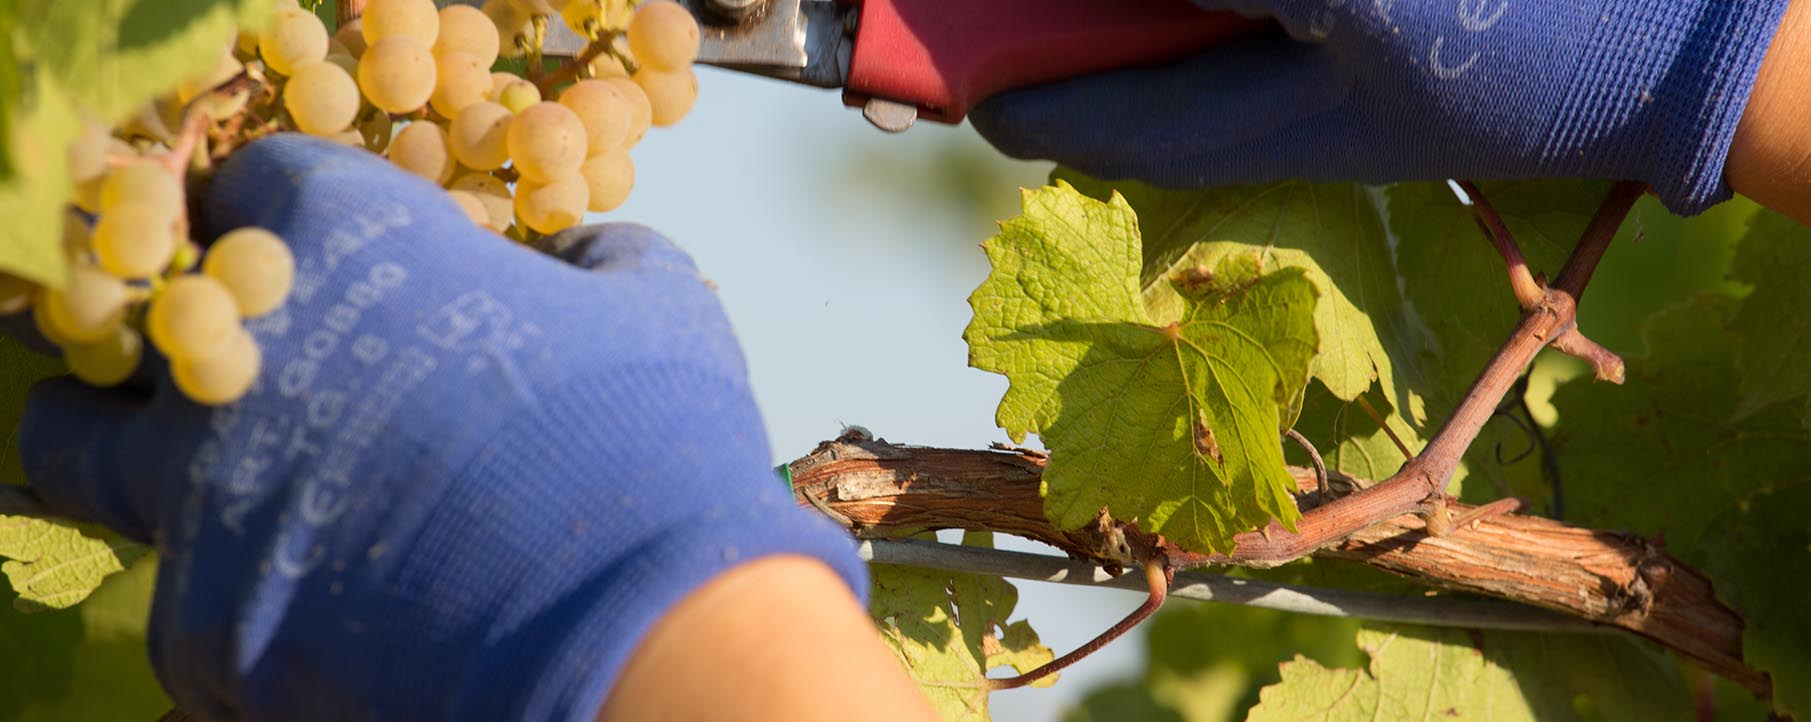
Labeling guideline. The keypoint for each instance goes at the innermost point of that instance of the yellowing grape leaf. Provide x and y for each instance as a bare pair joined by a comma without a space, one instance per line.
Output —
1174,424
1420,673
948,629
1775,357
1665,454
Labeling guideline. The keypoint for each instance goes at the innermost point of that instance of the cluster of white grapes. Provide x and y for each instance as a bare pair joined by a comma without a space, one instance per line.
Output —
406,79
415,83
134,274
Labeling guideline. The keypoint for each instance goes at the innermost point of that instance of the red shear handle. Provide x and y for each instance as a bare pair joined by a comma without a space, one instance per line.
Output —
946,55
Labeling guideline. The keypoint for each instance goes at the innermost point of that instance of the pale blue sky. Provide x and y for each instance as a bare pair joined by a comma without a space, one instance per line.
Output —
849,292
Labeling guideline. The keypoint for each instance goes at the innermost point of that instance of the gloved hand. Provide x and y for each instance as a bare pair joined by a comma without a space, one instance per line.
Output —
469,479
1377,91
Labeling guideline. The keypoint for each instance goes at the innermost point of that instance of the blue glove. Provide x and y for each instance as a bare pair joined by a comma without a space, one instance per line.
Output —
1377,90
469,479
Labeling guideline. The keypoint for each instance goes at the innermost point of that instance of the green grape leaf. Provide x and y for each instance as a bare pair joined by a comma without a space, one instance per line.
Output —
1453,674
949,629
114,57
1332,231
1775,256
1666,455
1175,425
33,195
51,564
86,663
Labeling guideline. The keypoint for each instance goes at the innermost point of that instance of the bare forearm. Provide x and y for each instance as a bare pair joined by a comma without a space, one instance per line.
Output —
1770,160
779,638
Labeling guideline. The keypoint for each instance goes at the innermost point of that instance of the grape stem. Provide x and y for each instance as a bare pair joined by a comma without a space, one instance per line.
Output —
569,69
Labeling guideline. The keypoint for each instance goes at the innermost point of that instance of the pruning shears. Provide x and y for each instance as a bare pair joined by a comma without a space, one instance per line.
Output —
900,60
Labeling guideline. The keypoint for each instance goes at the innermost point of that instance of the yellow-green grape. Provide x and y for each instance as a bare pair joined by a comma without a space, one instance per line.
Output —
108,361
349,137
88,307
351,36
479,136
346,62
604,111
15,294
607,65
467,29
493,193
641,112
186,256
539,7
670,93
255,266
585,17
397,74
134,240
547,141
142,181
247,43
193,317
374,126
293,39
88,154
40,316
88,194
551,207
75,233
321,98
513,26
459,82
420,148
608,178
663,36
223,377
225,68
518,97
474,208
393,18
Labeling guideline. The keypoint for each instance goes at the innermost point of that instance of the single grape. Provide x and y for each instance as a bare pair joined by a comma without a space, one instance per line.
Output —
663,36
346,62
607,65
88,153
186,256
393,18
604,111
584,17
221,378
88,307
608,178
321,98
193,317
551,207
351,36
397,74
144,181
467,29
88,194
514,27
421,148
459,82
15,294
493,193
670,93
479,136
539,7
40,316
518,97
295,37
474,208
134,240
108,361
547,141
255,266
641,112
75,233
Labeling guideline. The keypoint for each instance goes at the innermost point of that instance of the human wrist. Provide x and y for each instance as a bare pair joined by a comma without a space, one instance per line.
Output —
1770,158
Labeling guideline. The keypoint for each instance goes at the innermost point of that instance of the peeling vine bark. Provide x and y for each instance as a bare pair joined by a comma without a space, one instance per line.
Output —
1616,579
